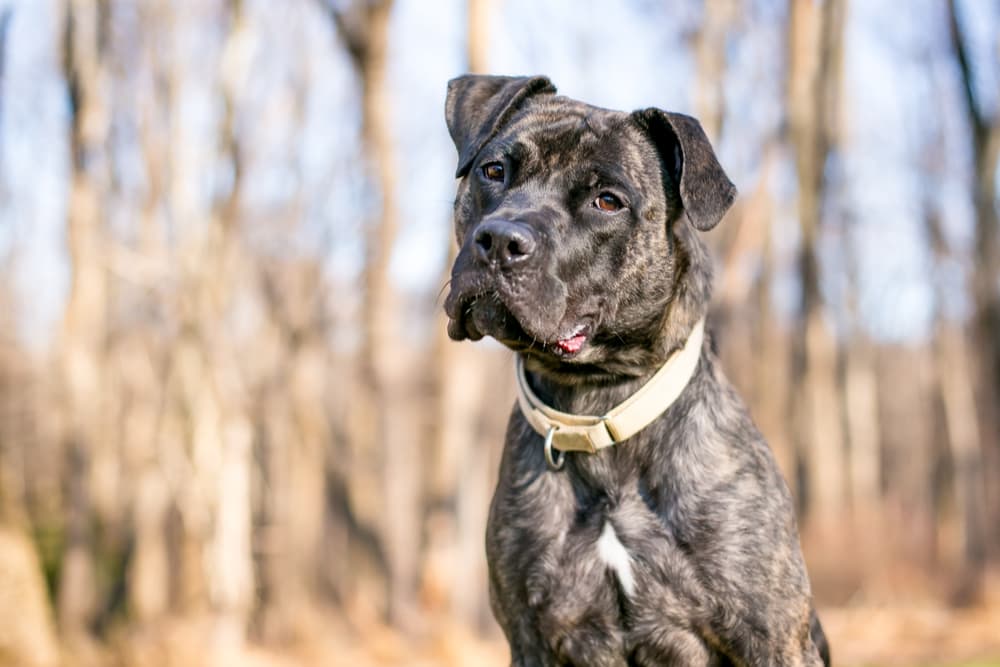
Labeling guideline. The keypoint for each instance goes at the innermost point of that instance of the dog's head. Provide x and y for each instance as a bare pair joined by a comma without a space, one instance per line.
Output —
574,225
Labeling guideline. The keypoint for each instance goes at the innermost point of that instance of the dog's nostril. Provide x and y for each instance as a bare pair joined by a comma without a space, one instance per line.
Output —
520,246
484,240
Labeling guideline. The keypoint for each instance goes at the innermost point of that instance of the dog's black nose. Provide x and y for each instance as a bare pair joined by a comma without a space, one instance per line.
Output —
506,243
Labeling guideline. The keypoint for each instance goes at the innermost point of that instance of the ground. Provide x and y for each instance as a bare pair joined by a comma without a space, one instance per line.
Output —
913,636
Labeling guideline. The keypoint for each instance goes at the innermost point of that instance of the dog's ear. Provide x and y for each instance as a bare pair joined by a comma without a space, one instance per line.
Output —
478,106
704,189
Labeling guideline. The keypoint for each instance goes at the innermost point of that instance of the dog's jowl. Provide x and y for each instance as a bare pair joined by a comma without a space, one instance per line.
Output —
639,517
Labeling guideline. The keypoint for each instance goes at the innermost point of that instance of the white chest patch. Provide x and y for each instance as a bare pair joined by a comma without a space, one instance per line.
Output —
614,555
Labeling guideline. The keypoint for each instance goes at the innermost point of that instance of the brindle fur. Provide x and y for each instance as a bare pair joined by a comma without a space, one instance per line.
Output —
695,498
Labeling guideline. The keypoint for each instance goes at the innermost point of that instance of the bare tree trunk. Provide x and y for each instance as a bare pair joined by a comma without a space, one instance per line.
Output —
745,242
230,558
986,266
150,568
204,436
364,29
84,325
710,107
861,416
295,434
861,402
294,430
771,360
815,39
446,587
27,633
5,17
955,375
955,384
710,53
12,509
861,411
27,637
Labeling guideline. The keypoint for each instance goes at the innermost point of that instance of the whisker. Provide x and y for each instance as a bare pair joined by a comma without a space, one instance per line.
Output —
437,299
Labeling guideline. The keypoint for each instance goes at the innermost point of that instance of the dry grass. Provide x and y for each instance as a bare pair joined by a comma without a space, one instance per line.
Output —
861,637
914,635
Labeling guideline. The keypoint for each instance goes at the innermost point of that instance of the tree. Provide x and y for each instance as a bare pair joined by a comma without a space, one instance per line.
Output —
456,406
385,572
815,54
83,336
985,288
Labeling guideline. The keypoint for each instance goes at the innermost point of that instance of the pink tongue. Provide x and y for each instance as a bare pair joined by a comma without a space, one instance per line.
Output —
572,344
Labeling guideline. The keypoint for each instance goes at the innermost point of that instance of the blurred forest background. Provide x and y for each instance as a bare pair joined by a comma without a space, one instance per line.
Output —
224,228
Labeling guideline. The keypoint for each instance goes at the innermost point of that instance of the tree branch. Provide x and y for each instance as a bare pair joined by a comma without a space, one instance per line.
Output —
351,25
978,122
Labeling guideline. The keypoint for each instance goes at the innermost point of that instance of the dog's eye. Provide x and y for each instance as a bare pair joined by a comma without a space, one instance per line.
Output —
608,203
493,171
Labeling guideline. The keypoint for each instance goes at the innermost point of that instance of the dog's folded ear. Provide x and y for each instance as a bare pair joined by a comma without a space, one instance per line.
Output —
704,189
477,107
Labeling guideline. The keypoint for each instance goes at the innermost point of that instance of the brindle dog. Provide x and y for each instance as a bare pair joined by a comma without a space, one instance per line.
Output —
578,228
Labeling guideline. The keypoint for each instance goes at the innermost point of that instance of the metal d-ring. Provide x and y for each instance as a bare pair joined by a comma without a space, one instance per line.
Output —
554,463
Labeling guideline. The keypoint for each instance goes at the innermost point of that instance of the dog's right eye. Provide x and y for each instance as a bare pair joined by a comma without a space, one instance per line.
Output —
608,203
493,171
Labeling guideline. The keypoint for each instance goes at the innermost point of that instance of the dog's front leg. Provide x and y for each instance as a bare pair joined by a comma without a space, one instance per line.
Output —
527,648
554,627
798,651
571,653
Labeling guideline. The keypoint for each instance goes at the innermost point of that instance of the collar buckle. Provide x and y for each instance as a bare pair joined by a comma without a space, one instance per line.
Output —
555,462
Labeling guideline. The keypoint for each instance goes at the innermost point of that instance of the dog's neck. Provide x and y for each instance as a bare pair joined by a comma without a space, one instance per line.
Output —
596,417
583,397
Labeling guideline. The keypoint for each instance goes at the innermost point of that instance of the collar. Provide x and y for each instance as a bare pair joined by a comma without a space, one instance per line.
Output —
588,433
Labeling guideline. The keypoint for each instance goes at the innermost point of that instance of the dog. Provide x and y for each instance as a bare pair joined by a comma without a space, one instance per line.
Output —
639,517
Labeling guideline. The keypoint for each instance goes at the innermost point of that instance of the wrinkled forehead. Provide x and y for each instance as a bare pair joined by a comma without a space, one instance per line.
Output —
559,135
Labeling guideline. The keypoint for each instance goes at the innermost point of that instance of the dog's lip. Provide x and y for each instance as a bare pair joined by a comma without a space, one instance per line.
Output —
459,299
460,325
566,345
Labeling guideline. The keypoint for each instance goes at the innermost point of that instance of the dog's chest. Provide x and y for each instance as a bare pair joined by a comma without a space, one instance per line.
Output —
629,550
612,582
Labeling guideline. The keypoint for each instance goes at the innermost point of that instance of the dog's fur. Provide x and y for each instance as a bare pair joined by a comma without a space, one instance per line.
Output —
679,545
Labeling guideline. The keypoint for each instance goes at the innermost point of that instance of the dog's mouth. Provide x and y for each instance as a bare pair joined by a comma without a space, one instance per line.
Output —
486,314
572,344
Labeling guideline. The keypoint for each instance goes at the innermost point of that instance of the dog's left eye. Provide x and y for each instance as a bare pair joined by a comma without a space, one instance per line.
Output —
608,203
493,171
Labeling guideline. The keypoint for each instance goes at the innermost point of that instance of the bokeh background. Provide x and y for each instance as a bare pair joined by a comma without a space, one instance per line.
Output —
224,232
